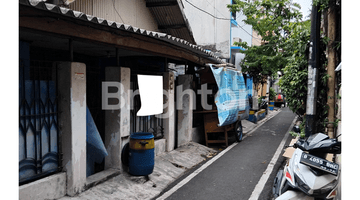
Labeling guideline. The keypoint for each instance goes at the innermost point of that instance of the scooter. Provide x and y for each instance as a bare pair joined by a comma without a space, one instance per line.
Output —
264,105
308,175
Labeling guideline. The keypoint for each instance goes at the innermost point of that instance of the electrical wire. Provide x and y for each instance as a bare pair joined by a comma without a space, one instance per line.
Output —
206,11
215,8
256,38
259,39
117,11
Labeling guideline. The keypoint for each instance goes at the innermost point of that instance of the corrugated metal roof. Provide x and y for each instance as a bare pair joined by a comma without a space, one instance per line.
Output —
89,18
168,16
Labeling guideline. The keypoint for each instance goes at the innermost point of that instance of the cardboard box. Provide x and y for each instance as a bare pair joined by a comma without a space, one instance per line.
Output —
290,150
329,157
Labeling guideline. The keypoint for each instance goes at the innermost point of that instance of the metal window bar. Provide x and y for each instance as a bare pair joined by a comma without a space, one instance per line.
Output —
150,123
38,121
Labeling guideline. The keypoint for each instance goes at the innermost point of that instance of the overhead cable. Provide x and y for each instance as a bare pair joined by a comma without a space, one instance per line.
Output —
221,19
117,11
206,11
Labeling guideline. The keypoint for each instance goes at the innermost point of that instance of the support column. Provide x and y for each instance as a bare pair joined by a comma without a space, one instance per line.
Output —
331,70
185,104
168,115
117,119
72,123
314,61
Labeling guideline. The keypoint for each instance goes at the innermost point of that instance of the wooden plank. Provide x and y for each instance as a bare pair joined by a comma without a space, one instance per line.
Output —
210,126
205,111
217,141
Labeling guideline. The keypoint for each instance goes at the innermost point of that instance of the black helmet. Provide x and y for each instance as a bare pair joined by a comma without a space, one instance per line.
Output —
296,129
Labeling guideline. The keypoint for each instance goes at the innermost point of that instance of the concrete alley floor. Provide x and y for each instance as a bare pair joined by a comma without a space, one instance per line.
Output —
169,166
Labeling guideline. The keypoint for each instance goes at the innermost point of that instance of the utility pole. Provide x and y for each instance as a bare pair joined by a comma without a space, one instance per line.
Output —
313,71
331,69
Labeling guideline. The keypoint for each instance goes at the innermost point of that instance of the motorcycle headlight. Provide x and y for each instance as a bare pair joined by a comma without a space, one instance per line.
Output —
301,185
326,189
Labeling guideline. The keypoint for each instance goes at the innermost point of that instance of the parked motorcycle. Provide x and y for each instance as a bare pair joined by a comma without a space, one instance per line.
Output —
264,105
308,175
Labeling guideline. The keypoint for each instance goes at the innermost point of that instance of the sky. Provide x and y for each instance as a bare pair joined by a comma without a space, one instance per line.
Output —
305,8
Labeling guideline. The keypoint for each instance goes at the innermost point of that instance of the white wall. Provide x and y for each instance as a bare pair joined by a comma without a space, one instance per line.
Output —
245,32
242,31
210,33
238,58
131,12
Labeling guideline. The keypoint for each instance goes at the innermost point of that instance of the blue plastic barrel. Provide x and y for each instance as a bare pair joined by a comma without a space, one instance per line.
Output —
141,154
271,105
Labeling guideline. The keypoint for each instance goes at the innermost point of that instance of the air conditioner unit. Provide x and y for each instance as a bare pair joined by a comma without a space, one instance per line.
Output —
236,39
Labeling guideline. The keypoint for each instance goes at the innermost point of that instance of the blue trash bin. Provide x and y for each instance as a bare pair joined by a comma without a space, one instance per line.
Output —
271,105
141,154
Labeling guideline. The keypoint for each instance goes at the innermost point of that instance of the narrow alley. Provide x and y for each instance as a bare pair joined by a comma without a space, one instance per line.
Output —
238,171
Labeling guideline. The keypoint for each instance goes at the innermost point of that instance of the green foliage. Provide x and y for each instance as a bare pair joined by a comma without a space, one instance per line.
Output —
323,4
274,21
286,48
302,133
292,133
338,96
272,94
335,123
302,130
294,81
321,101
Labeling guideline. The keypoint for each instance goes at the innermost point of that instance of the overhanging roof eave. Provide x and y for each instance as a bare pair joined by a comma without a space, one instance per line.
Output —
102,24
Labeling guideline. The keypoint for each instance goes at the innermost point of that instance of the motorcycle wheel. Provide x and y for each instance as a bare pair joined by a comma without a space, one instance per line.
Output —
238,131
125,154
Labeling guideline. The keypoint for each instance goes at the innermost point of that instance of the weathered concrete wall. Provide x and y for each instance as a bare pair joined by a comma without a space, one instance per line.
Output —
210,33
117,121
238,58
160,146
72,123
52,187
185,102
168,115
132,12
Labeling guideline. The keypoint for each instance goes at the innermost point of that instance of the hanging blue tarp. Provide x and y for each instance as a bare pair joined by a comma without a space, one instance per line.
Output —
232,94
95,148
249,85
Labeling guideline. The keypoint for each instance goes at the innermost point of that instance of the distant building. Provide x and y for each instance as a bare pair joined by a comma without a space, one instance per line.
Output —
210,24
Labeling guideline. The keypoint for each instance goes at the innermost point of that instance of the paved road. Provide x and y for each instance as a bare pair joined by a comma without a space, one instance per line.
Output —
236,173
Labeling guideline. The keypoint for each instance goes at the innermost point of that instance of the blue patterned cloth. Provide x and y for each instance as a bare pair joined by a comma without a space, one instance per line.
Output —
232,94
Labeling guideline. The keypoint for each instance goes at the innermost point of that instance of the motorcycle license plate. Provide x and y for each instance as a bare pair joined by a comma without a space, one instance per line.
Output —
319,163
